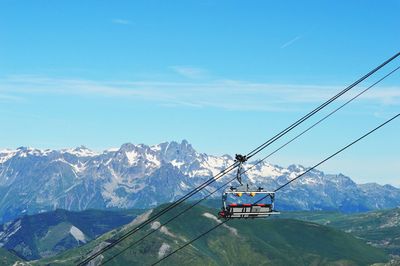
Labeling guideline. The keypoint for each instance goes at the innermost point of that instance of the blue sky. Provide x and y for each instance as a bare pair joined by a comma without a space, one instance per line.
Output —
225,75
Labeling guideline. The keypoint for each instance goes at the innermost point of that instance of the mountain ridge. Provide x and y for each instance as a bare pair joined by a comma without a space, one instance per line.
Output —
142,176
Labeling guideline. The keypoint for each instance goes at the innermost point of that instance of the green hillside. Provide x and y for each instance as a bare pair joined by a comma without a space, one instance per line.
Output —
47,234
379,228
240,242
7,258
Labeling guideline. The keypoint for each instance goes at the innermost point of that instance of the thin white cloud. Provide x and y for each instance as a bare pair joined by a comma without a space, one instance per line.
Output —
121,21
189,72
290,42
387,96
10,98
225,94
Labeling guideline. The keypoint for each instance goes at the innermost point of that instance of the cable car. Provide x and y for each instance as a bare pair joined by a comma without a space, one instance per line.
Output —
246,201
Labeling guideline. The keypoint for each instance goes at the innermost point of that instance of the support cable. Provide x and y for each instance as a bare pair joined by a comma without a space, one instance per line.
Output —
233,166
322,119
165,223
301,120
154,217
190,242
336,153
282,186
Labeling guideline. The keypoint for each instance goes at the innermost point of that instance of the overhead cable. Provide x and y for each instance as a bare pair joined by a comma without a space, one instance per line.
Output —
231,167
282,186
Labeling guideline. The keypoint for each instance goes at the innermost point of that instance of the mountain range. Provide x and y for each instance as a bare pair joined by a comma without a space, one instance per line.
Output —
142,176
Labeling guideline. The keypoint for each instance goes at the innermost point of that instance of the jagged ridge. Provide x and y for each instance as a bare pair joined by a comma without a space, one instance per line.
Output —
142,176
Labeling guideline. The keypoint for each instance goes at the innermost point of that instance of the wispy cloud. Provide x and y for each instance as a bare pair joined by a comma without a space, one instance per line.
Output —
387,96
225,94
290,42
121,21
189,72
10,98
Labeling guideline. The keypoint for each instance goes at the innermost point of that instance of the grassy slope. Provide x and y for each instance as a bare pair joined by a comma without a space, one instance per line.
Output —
380,228
259,242
7,258
47,234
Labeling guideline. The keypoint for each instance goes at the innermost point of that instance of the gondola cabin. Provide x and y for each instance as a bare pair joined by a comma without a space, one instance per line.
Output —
245,203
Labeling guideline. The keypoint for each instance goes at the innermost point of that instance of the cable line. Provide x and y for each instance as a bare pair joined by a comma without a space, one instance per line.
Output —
154,217
211,193
258,162
191,241
301,120
322,119
167,222
336,153
282,186
231,167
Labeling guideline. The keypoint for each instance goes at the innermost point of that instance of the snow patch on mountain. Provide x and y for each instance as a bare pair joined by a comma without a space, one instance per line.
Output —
156,225
77,234
177,164
262,170
163,250
132,156
184,186
156,148
7,154
81,151
214,218
8,230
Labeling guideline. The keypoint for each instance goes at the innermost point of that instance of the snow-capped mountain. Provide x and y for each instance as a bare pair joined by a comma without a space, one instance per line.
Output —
141,176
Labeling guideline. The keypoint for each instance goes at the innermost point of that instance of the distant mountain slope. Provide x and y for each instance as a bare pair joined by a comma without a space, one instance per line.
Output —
47,234
7,258
242,242
141,176
379,228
